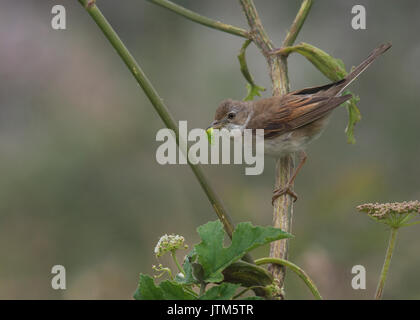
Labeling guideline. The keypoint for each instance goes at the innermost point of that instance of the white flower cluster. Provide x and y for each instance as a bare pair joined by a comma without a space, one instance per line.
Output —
168,243
383,210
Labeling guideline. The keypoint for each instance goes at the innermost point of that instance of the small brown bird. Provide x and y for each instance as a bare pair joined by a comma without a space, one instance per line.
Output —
291,121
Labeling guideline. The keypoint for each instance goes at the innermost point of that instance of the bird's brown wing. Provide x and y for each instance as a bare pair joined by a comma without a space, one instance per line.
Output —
279,115
318,89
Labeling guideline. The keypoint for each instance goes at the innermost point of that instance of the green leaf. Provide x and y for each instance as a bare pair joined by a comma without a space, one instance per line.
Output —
332,68
167,290
214,258
175,291
147,289
225,291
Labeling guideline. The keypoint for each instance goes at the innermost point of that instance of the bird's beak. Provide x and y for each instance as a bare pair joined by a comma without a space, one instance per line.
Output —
215,125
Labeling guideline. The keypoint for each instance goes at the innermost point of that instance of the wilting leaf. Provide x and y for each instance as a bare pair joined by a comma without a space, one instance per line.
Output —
332,68
247,274
252,89
354,117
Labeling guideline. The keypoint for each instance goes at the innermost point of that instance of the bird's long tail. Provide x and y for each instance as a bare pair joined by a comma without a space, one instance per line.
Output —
363,66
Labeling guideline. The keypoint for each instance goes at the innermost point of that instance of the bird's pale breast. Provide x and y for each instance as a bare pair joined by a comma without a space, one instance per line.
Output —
295,140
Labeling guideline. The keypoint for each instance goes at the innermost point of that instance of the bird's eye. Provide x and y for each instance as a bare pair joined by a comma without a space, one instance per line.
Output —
231,115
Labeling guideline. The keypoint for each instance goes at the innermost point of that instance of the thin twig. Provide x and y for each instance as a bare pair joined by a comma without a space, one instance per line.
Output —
297,23
191,15
160,108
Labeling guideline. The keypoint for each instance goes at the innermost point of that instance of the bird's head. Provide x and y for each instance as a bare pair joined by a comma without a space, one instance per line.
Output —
231,115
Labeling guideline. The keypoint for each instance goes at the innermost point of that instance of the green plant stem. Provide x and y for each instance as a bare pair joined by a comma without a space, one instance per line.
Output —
285,51
385,268
283,206
297,23
177,263
191,15
302,274
160,108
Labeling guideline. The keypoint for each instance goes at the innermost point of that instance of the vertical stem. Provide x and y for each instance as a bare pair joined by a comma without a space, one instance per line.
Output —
282,216
388,256
283,206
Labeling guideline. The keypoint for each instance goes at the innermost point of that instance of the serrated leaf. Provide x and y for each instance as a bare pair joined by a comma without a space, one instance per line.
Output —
147,290
214,258
167,290
225,291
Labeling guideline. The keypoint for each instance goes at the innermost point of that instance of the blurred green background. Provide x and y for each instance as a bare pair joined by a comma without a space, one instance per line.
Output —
80,185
